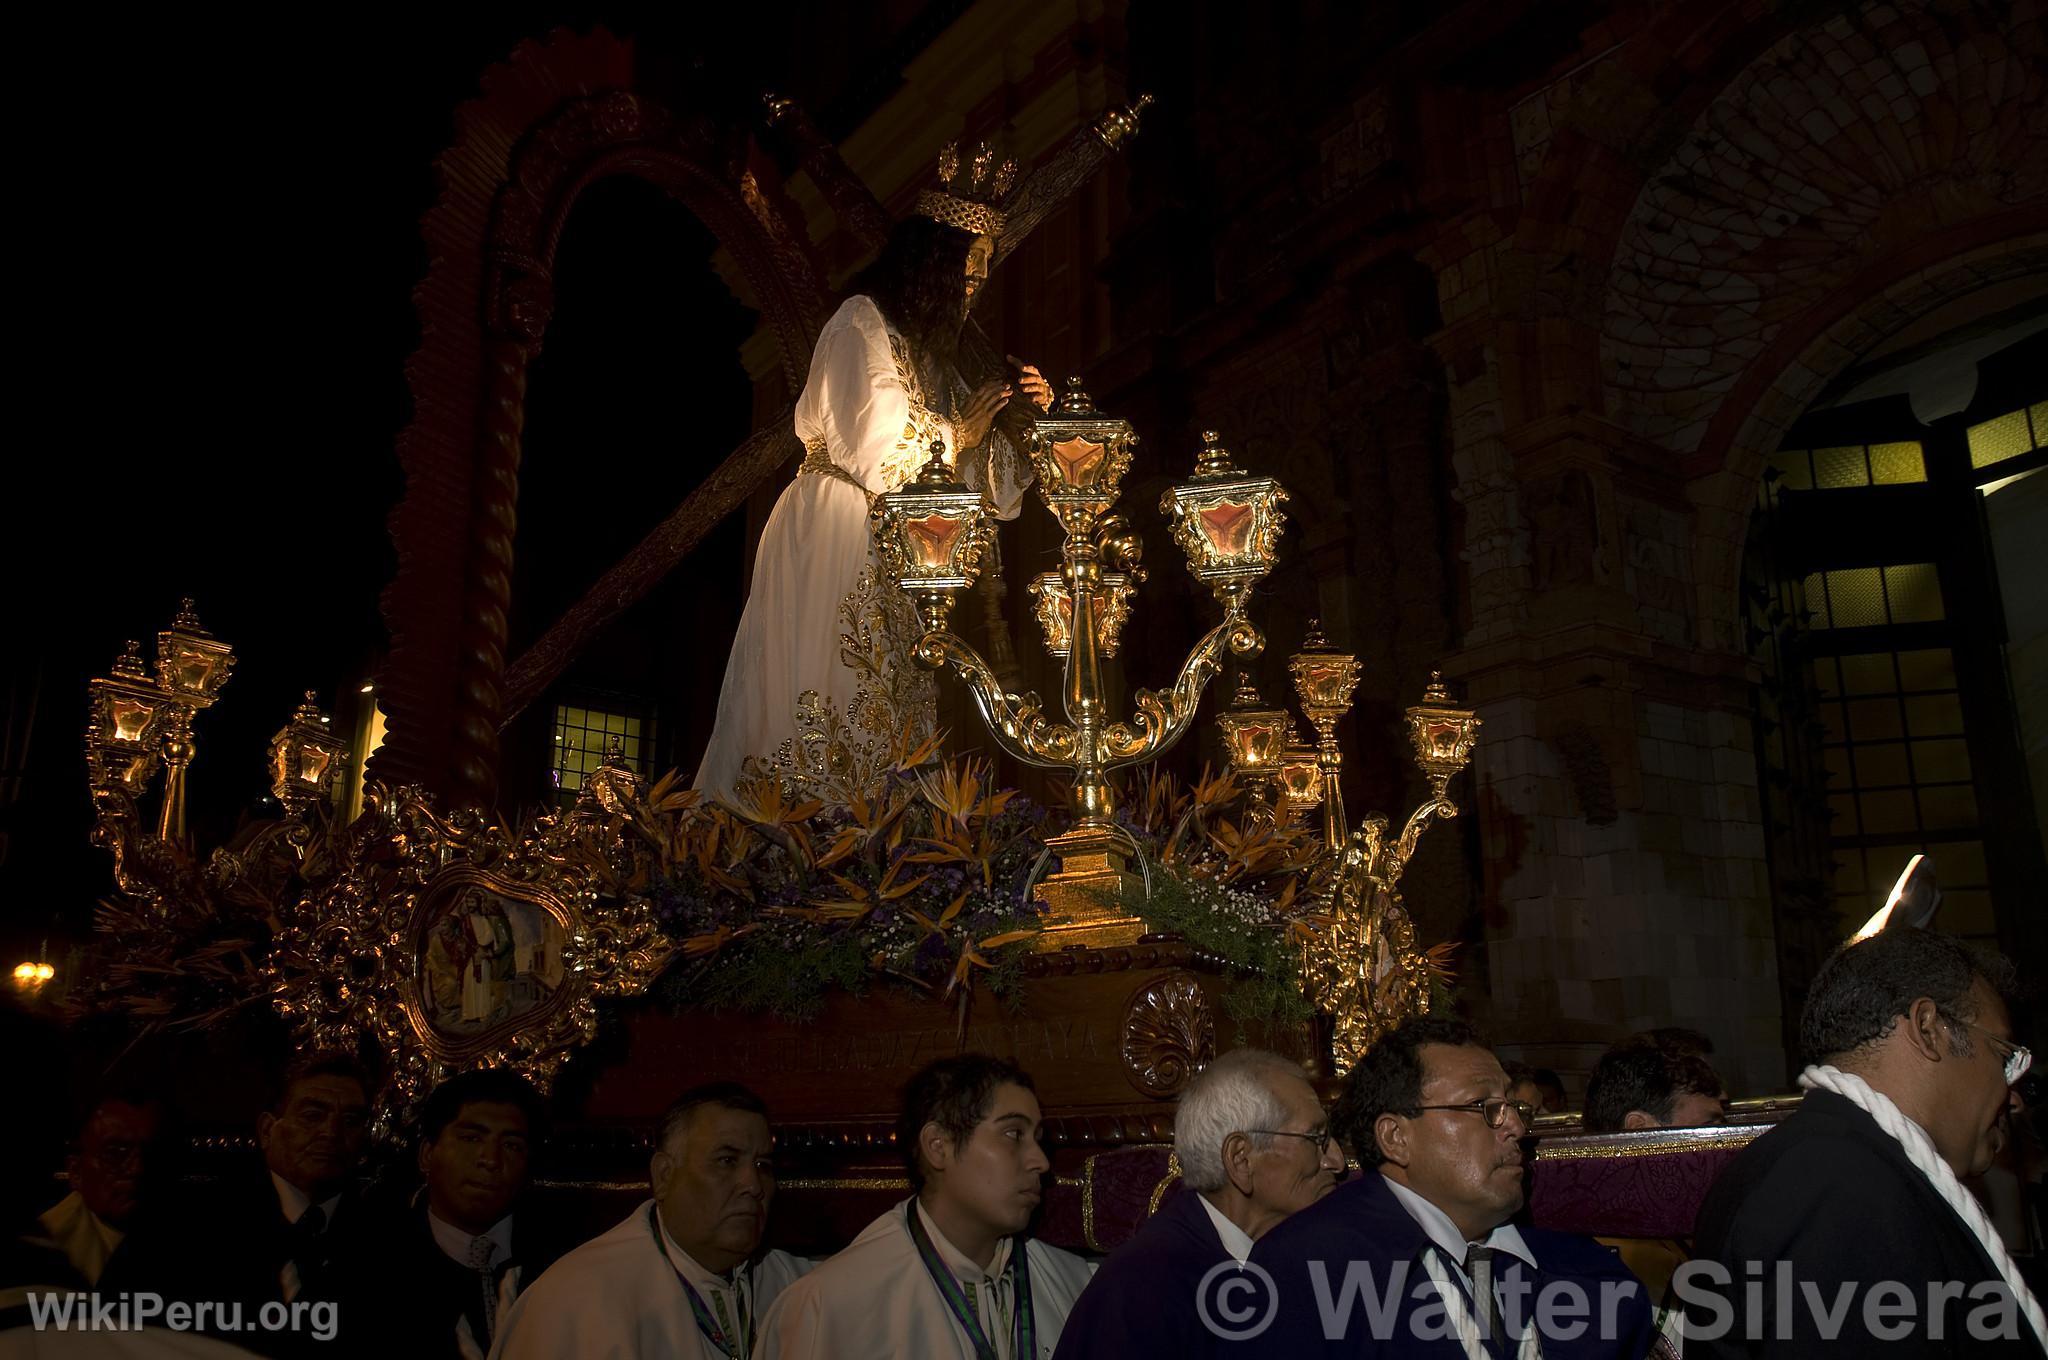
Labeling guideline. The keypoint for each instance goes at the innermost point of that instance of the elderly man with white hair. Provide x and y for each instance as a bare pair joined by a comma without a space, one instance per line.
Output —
1254,1146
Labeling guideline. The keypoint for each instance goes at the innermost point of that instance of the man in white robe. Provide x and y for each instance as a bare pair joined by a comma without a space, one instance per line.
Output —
948,1274
679,1279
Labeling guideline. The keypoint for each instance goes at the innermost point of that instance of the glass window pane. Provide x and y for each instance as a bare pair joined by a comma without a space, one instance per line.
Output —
1960,863
1873,719
1940,762
1836,759
1967,912
1886,813
1844,808
1997,440
1932,668
1814,597
1879,766
1840,467
1915,593
1824,676
1895,464
1855,598
1934,715
2038,413
1949,806
1849,871
1870,673
1831,722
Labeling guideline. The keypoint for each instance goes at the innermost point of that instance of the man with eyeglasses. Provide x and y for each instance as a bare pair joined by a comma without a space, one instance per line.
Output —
1853,1210
1254,1146
1417,1257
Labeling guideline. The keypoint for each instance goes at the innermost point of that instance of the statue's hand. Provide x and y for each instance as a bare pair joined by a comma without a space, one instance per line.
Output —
1031,383
971,426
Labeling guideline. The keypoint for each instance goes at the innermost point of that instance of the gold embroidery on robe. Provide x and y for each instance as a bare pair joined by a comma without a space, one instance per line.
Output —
836,756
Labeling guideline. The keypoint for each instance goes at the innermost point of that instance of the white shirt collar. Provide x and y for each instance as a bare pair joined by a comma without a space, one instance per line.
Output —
1444,1233
294,1201
1235,1240
454,1242
963,1267
694,1272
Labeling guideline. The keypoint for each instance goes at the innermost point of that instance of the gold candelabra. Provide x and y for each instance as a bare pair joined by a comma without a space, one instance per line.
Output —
1360,964
140,723
930,537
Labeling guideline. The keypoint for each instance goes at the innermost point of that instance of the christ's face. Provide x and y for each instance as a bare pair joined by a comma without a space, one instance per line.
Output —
978,256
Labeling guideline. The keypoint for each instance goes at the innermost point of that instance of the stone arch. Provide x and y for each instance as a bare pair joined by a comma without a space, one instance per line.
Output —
1709,230
1845,145
554,119
1780,388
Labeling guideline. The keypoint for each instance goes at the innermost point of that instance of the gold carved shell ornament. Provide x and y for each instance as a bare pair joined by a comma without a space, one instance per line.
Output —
454,942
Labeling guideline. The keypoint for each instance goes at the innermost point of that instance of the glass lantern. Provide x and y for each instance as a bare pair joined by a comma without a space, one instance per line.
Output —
1054,606
1255,736
191,664
1300,780
1441,733
1081,456
930,535
124,739
1226,521
306,758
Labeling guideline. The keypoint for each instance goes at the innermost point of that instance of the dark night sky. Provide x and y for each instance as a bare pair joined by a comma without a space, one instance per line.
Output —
221,223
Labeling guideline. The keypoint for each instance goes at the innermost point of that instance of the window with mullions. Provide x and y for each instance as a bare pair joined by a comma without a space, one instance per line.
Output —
1846,465
2009,436
1867,597
582,736
1899,776
1861,718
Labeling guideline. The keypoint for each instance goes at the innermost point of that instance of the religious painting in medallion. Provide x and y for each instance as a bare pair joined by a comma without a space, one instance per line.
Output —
488,957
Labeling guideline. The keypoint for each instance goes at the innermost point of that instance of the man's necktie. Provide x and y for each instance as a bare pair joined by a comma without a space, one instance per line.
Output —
306,1252
1479,1265
480,1251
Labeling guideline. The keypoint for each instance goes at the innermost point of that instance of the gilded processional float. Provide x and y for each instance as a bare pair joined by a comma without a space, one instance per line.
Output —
1120,945
864,907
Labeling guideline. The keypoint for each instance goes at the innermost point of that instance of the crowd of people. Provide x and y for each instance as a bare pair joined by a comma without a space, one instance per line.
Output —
1391,1223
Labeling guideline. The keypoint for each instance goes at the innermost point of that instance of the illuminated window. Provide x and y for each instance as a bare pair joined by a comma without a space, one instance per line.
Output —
1847,465
582,735
2008,436
1870,597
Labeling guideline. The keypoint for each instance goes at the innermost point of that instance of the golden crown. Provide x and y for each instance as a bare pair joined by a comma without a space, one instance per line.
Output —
967,200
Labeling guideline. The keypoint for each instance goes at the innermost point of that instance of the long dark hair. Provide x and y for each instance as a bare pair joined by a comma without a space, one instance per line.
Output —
919,281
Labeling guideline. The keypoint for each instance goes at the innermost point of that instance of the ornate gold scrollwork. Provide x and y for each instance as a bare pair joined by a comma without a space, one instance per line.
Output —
451,942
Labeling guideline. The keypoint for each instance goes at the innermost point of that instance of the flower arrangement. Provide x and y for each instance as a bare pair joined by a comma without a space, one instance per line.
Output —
927,881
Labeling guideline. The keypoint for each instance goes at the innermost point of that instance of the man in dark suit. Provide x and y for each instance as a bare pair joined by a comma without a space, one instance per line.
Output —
443,1270
1254,1146
1417,1257
1846,1225
267,1247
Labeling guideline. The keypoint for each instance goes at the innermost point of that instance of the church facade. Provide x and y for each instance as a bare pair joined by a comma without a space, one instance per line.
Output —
1590,342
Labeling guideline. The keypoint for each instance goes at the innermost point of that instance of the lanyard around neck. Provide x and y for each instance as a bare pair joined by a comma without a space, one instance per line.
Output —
1019,1271
707,1324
